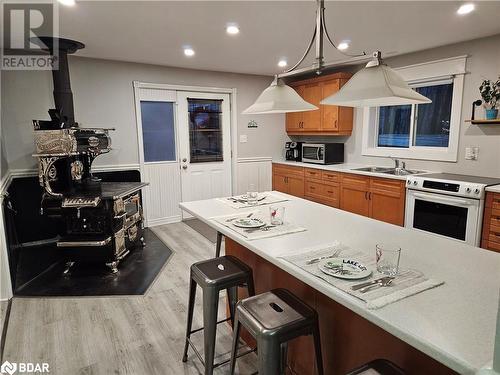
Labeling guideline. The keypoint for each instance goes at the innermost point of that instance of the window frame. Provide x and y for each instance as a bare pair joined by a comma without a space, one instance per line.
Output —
418,75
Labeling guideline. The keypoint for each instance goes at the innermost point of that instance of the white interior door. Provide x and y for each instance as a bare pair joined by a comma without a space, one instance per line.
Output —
204,145
158,154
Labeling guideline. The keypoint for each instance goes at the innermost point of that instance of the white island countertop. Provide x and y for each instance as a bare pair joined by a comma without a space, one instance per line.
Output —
453,323
345,168
494,188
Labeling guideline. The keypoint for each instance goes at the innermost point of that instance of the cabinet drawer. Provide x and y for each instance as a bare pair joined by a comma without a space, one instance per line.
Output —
331,176
288,170
313,174
355,181
313,189
495,218
331,192
386,186
494,238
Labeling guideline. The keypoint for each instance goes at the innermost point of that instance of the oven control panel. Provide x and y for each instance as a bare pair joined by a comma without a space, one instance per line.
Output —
461,189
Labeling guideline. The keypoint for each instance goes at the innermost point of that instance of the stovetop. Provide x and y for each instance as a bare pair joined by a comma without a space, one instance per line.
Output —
486,181
110,190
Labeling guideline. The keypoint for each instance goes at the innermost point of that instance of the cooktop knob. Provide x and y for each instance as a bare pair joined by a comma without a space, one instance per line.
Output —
477,191
415,183
467,190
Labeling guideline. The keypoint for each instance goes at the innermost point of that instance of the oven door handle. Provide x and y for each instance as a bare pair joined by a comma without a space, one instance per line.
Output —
429,197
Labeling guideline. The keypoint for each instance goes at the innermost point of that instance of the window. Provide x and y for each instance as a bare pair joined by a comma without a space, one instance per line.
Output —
205,130
424,131
418,125
158,133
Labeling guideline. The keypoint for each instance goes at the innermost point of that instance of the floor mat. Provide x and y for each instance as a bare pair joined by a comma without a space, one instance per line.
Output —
205,230
135,274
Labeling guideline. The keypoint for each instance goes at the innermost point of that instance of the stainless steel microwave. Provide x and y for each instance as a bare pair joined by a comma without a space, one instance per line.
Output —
323,153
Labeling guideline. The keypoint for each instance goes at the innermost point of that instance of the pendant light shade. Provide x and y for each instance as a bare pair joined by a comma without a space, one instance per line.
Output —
376,85
279,98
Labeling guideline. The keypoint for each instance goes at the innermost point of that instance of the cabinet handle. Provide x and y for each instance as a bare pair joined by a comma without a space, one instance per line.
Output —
370,196
312,188
366,195
335,126
329,191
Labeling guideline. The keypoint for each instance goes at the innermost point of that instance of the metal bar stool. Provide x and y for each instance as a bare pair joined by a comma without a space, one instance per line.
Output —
214,275
273,319
219,244
378,366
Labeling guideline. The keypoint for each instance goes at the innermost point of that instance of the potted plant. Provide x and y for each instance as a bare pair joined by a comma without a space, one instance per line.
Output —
490,92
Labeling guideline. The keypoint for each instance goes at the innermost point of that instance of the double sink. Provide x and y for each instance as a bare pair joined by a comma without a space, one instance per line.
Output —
392,171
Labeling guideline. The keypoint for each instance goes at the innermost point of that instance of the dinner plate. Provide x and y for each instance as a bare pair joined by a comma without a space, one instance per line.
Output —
247,222
344,268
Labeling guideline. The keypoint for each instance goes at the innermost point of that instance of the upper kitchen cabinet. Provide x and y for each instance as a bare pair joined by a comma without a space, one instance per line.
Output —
328,120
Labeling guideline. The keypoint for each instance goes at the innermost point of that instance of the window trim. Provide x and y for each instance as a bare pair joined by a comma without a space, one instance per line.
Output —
418,74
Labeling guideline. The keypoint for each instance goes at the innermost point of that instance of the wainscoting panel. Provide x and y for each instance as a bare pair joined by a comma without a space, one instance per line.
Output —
257,171
162,196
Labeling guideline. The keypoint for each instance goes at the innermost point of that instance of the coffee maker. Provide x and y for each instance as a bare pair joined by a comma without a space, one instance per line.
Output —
293,151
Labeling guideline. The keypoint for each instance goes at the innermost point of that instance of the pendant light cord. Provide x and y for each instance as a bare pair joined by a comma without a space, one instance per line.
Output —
318,38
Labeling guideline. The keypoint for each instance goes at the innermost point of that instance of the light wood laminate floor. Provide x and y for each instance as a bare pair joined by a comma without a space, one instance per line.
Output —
121,335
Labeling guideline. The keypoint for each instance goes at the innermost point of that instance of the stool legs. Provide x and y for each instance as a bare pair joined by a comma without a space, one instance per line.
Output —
232,297
210,307
234,349
317,348
269,357
219,244
192,296
284,357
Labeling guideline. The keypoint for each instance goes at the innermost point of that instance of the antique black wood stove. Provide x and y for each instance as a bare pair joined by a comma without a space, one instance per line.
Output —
103,220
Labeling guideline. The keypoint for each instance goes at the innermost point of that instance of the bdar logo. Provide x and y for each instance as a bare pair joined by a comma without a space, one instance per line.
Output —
8,368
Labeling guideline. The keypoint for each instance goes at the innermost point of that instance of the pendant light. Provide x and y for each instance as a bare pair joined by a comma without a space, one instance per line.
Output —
375,85
378,87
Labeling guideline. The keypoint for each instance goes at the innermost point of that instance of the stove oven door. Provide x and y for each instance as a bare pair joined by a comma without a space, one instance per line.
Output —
453,217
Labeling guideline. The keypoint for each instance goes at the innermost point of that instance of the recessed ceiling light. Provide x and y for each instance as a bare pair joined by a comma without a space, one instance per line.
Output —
232,29
282,63
67,2
343,45
188,51
466,8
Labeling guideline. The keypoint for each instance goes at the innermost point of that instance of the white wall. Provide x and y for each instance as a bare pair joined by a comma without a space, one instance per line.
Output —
103,96
483,62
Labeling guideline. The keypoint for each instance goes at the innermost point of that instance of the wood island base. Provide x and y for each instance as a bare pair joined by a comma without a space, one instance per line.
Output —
347,339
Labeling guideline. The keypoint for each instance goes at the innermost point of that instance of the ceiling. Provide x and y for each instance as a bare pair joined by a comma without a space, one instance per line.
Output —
155,32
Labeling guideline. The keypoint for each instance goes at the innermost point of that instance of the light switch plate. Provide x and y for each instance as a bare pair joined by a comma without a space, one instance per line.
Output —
471,153
243,138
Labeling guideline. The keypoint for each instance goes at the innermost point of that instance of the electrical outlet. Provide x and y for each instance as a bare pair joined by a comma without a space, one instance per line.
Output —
243,138
471,153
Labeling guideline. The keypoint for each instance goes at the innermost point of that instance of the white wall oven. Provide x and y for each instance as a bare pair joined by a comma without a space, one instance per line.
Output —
447,205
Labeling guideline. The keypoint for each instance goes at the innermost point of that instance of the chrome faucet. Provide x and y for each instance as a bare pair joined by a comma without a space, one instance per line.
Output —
398,164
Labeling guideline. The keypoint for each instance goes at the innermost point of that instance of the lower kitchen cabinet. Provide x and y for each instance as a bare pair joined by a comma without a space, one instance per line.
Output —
288,179
491,223
379,198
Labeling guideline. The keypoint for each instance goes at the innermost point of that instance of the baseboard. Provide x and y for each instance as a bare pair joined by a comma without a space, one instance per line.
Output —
164,220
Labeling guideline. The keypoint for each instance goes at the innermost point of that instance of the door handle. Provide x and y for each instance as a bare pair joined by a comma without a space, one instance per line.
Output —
184,167
438,199
184,160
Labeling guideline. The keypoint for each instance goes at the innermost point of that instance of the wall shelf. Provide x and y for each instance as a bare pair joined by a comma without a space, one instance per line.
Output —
484,122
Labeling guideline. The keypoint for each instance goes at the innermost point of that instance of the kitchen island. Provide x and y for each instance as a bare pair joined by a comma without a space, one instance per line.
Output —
443,330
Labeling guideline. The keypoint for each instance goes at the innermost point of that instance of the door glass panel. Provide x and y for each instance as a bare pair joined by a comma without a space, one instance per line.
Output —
158,131
449,221
205,130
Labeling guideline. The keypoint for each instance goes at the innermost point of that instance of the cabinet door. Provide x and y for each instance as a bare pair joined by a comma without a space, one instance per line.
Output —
330,113
295,186
387,200
312,119
294,120
279,183
354,194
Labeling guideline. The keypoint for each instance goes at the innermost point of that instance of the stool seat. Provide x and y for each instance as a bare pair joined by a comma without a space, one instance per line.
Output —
225,270
378,367
277,310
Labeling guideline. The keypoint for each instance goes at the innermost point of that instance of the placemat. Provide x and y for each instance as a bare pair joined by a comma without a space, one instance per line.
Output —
409,282
238,202
258,233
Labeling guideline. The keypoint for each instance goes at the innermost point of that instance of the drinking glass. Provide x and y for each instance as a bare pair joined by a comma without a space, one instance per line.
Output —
252,195
277,215
387,257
